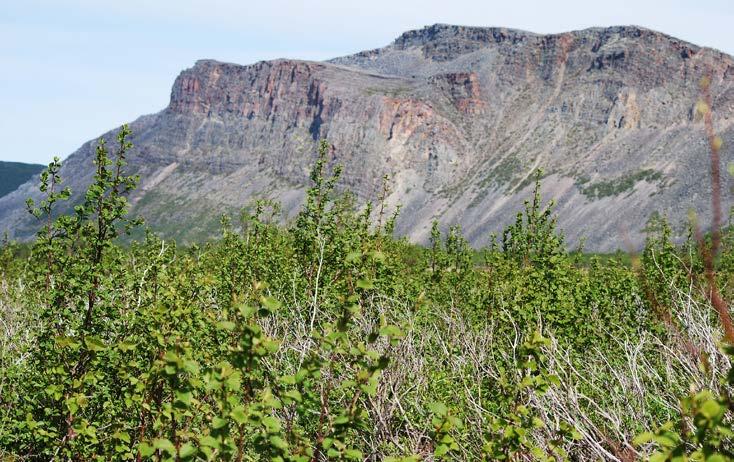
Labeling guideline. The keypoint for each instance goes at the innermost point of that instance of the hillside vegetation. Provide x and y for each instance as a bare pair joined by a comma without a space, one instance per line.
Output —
14,174
329,339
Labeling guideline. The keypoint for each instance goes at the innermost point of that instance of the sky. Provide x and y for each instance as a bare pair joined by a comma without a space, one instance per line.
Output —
71,70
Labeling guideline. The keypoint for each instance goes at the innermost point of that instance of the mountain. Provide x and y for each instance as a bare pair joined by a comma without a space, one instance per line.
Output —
458,117
14,174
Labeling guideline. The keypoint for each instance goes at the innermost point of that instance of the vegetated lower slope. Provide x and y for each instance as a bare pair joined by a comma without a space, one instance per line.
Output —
331,340
458,117
14,174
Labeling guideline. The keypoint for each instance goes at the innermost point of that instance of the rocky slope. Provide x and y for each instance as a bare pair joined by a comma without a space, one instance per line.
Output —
458,117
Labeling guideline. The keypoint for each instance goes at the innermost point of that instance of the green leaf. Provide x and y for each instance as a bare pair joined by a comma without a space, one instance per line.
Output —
187,451
121,436
441,450
377,256
391,331
439,409
270,303
295,395
365,284
95,344
146,450
666,440
171,357
353,454
64,342
643,438
239,415
353,257
711,409
226,325
218,422
209,441
164,444
278,442
183,397
272,424
126,346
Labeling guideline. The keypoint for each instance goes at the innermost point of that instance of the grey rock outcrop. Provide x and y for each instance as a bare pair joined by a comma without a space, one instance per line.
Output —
458,117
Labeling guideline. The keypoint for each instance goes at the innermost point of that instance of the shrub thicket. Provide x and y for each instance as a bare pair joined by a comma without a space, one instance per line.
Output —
332,340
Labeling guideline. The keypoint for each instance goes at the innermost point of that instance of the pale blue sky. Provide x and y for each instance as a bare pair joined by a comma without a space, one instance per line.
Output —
74,69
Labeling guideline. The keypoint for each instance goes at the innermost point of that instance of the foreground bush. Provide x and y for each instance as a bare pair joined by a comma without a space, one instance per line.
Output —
331,340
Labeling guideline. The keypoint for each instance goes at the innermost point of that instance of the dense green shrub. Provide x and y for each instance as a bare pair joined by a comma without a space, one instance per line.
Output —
329,339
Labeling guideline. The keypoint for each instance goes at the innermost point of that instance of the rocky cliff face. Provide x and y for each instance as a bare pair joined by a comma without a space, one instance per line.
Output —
458,117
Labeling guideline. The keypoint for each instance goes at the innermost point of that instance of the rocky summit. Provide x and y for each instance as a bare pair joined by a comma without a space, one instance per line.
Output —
459,118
